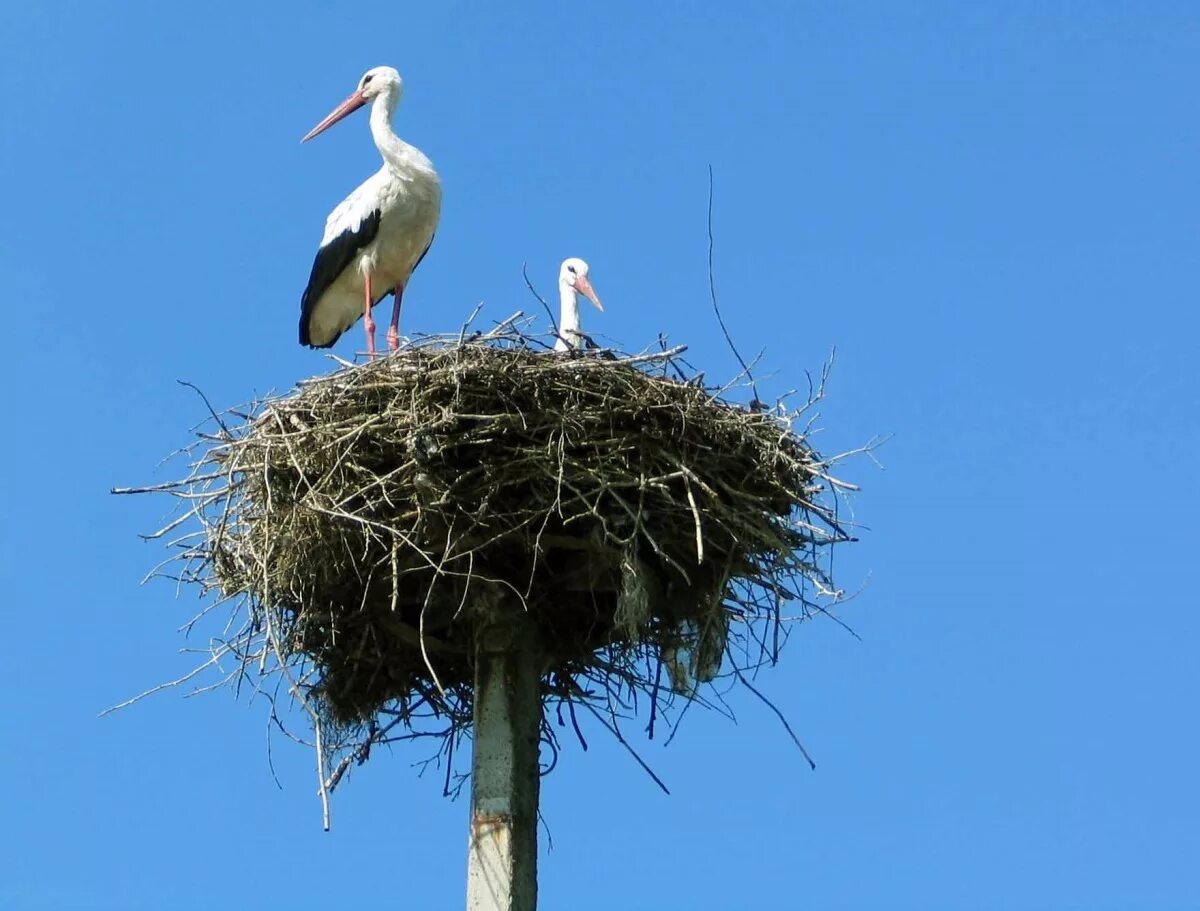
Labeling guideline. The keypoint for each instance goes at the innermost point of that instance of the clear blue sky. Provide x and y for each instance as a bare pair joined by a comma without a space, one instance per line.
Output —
992,210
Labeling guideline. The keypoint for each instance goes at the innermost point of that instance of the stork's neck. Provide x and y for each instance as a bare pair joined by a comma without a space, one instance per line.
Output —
568,320
398,154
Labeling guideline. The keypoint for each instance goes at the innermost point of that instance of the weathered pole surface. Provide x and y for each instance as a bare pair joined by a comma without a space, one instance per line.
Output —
502,861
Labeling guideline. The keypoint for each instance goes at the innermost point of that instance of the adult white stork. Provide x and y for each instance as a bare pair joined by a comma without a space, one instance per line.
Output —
378,234
573,281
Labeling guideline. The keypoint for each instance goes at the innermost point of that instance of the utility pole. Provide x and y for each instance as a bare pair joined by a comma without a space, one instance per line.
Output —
502,859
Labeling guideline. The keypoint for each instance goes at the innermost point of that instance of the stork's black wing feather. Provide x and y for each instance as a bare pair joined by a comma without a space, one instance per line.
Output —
423,252
330,262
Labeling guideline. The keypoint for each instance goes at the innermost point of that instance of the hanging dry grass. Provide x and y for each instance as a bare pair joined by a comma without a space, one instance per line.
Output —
366,525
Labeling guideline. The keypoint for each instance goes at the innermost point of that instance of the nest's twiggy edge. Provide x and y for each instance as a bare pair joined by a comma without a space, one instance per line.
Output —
364,527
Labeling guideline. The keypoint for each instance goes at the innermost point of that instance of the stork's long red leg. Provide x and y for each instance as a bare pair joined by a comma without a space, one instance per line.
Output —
393,335
368,320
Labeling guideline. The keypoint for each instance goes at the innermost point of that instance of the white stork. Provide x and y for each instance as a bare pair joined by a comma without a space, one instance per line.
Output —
378,234
573,281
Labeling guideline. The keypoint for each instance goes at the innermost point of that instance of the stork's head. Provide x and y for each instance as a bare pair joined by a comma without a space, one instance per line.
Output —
378,79
573,274
375,81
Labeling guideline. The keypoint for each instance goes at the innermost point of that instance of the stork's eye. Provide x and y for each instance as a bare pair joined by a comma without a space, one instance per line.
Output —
571,269
367,79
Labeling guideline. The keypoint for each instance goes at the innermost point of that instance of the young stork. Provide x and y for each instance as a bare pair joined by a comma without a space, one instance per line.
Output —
378,234
573,281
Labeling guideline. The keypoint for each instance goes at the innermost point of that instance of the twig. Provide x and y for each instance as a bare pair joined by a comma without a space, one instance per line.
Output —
208,405
616,732
545,306
712,289
778,714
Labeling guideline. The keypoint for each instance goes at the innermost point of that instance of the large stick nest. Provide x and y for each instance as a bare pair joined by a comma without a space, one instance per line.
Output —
369,524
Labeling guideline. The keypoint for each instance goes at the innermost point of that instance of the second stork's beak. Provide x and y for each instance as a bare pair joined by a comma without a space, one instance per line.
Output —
584,287
349,106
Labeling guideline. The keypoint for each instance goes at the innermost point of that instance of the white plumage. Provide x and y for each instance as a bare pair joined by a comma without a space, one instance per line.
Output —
572,281
375,237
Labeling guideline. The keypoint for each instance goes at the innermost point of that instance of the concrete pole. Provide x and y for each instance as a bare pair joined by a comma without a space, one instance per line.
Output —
502,860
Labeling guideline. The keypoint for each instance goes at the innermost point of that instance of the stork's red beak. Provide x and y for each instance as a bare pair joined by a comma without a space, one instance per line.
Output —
584,287
349,106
